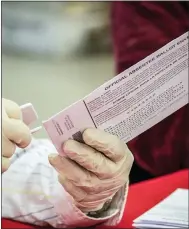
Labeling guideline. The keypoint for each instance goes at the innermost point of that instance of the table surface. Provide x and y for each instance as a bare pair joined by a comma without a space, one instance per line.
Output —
141,197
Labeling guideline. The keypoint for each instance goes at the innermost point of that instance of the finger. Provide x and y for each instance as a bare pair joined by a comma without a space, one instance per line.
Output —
80,196
77,193
5,164
110,145
12,109
73,172
17,131
8,147
89,158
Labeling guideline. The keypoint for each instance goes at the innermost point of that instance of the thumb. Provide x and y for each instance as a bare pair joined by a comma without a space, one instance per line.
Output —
17,132
12,109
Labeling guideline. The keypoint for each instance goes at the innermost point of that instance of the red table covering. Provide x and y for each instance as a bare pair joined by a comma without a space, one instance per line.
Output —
141,197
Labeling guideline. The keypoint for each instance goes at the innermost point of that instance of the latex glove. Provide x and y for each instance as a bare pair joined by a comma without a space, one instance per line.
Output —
93,172
14,131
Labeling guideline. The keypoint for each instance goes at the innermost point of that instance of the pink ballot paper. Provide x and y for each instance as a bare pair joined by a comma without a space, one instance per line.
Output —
131,102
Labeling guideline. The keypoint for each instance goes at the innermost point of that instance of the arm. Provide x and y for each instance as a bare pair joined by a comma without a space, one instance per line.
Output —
32,193
139,29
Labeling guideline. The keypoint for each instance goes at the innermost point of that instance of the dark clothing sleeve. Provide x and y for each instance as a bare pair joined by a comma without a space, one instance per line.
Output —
139,29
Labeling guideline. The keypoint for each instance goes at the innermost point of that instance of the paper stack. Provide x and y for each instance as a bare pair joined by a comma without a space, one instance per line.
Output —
172,212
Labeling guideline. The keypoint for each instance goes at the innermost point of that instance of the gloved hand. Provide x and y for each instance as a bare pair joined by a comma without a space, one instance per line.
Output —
93,172
14,131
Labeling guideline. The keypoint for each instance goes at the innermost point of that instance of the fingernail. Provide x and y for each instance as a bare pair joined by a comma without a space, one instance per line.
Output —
52,158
